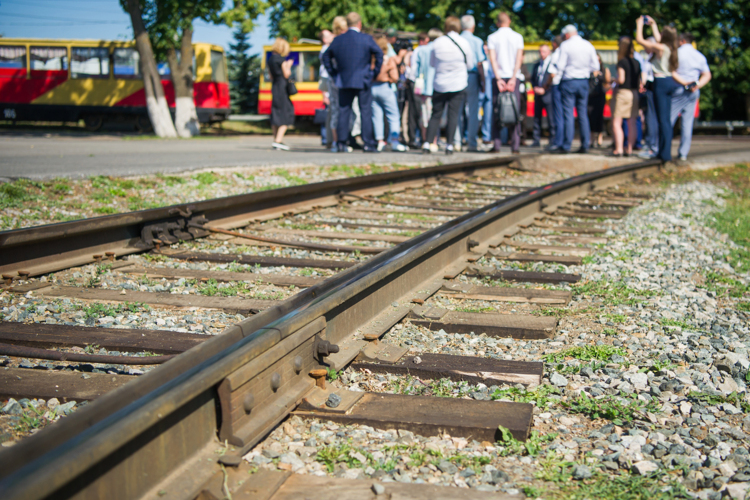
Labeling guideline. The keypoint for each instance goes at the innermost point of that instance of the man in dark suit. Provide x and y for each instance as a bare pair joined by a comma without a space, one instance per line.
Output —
542,98
353,51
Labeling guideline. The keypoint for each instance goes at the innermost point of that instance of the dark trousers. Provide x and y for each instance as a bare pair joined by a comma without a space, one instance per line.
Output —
514,131
539,106
663,90
652,124
454,101
346,97
575,94
556,140
415,114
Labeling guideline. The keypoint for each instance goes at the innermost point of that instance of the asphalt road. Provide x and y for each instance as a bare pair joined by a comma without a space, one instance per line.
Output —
43,156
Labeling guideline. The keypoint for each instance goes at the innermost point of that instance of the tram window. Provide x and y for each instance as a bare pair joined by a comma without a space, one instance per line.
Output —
218,70
89,62
126,63
12,57
309,67
49,58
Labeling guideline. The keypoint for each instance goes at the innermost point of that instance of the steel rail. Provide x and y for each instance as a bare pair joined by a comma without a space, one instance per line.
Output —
43,249
130,440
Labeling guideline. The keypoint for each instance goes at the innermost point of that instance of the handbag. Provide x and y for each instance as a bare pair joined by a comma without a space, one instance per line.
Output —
291,89
321,115
419,85
508,109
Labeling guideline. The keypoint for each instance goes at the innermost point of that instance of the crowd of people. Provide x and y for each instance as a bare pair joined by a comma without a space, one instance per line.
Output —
396,96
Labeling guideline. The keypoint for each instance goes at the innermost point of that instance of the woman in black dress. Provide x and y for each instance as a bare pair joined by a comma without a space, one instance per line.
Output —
600,85
282,109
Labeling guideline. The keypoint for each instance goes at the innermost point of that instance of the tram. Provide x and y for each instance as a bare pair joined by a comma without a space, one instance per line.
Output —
98,81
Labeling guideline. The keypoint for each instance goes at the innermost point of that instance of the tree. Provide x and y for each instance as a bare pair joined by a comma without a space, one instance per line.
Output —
721,28
244,74
156,103
170,27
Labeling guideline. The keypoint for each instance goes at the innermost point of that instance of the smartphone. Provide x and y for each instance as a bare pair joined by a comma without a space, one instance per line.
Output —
645,19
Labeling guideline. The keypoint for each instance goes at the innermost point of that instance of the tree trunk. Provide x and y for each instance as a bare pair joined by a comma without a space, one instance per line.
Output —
156,103
186,117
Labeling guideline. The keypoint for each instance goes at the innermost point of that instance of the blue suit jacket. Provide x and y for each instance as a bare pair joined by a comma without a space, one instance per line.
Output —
352,52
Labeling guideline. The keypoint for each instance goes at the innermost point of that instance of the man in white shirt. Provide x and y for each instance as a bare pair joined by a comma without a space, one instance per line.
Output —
469,122
577,61
553,88
693,68
506,56
451,57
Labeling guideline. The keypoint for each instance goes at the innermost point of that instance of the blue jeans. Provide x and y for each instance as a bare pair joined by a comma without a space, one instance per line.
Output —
664,88
485,102
469,122
652,125
575,94
556,140
683,104
384,101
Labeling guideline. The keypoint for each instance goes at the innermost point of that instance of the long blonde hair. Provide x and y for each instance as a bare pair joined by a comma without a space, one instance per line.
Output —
669,38
339,25
281,47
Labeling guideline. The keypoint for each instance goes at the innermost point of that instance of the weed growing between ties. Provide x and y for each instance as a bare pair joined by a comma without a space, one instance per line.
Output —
532,446
543,396
584,353
100,310
716,399
560,484
618,409
613,293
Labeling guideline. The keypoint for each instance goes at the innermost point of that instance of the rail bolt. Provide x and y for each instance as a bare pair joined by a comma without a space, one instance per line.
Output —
110,256
297,364
319,375
275,382
8,279
248,402
325,348
24,275
97,258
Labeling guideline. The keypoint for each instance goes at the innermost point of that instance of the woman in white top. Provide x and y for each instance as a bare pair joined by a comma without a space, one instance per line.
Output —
451,57
666,79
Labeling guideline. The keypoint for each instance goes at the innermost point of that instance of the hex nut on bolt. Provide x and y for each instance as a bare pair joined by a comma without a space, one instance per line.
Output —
297,364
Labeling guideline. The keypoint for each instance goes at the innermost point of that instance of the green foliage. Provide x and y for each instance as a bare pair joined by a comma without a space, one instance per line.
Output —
558,474
333,374
616,318
542,396
206,178
617,409
211,288
675,323
13,193
722,284
98,309
244,74
170,180
532,446
584,353
613,293
475,309
715,399
293,179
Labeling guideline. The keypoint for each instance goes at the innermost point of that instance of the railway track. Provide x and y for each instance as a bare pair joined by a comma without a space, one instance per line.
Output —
316,275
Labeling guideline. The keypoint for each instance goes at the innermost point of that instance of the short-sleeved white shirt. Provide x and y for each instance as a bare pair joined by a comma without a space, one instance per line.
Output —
506,43
692,63
450,63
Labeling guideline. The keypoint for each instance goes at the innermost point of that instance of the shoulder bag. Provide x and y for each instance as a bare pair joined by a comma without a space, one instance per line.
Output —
291,88
508,109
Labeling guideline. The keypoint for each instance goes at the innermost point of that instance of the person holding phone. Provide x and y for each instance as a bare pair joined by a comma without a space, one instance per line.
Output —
694,69
666,79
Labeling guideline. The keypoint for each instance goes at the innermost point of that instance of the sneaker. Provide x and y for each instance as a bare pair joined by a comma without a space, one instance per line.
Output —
334,148
647,155
449,149
280,145
683,158
434,148
426,149
381,145
397,146
456,147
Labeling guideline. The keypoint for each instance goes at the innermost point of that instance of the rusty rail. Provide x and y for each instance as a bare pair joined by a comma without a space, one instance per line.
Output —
160,431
